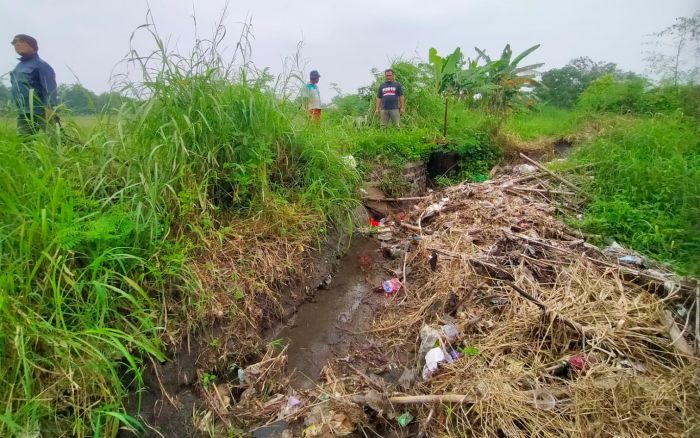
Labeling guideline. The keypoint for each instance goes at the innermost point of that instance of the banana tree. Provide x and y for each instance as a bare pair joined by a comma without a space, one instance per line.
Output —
444,70
474,80
508,77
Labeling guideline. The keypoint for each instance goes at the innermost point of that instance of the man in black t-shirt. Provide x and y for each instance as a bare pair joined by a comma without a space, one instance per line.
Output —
390,101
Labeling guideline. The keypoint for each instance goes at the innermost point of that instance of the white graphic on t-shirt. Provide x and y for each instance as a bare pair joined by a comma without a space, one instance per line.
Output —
389,91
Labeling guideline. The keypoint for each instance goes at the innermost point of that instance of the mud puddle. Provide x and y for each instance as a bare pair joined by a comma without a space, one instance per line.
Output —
330,325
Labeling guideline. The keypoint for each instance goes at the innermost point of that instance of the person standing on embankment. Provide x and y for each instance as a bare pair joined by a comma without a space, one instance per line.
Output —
312,97
390,101
33,84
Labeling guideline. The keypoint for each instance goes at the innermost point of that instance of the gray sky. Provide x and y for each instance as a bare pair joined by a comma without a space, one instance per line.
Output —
343,40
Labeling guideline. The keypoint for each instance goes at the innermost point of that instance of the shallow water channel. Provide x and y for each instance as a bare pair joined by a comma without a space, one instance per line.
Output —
331,323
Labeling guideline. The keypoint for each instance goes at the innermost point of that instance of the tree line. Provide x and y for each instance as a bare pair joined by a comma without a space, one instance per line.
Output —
74,98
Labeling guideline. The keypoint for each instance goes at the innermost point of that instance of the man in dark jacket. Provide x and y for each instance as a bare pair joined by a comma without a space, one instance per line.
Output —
33,87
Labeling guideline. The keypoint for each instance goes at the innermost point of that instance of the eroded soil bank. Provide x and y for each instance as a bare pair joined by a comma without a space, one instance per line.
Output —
323,317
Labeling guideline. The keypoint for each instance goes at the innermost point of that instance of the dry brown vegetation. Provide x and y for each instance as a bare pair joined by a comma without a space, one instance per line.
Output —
562,339
569,342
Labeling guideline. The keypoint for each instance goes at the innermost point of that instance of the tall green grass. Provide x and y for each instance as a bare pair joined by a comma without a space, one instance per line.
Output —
545,121
94,234
646,188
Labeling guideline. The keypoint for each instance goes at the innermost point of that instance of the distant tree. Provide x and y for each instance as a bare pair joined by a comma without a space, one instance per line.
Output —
81,101
78,99
679,43
109,102
563,86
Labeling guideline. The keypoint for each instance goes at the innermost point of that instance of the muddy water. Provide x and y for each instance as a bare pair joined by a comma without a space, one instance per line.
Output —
325,327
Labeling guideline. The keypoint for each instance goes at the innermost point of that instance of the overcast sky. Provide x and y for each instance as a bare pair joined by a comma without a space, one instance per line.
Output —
344,40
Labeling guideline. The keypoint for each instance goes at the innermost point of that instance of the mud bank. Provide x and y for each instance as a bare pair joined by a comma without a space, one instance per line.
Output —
325,326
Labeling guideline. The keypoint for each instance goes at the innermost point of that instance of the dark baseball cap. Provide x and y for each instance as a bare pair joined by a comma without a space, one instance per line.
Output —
27,39
314,74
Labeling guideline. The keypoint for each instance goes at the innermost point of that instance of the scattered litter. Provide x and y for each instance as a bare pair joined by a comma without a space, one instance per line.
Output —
633,365
432,261
624,256
326,283
241,376
429,336
293,405
408,378
578,362
391,286
293,401
490,242
681,311
450,331
435,208
525,169
614,249
373,223
543,399
384,233
405,419
432,359
312,430
631,260
350,161
392,251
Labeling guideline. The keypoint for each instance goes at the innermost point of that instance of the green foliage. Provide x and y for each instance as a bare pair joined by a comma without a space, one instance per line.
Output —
607,94
668,99
92,235
477,160
445,68
633,95
507,78
646,188
352,105
207,379
408,144
562,87
470,351
6,106
543,121
80,101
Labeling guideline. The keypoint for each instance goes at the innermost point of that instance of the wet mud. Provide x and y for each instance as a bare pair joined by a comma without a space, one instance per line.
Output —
333,321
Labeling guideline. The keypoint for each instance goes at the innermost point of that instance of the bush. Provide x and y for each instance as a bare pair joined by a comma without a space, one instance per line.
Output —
667,99
608,94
